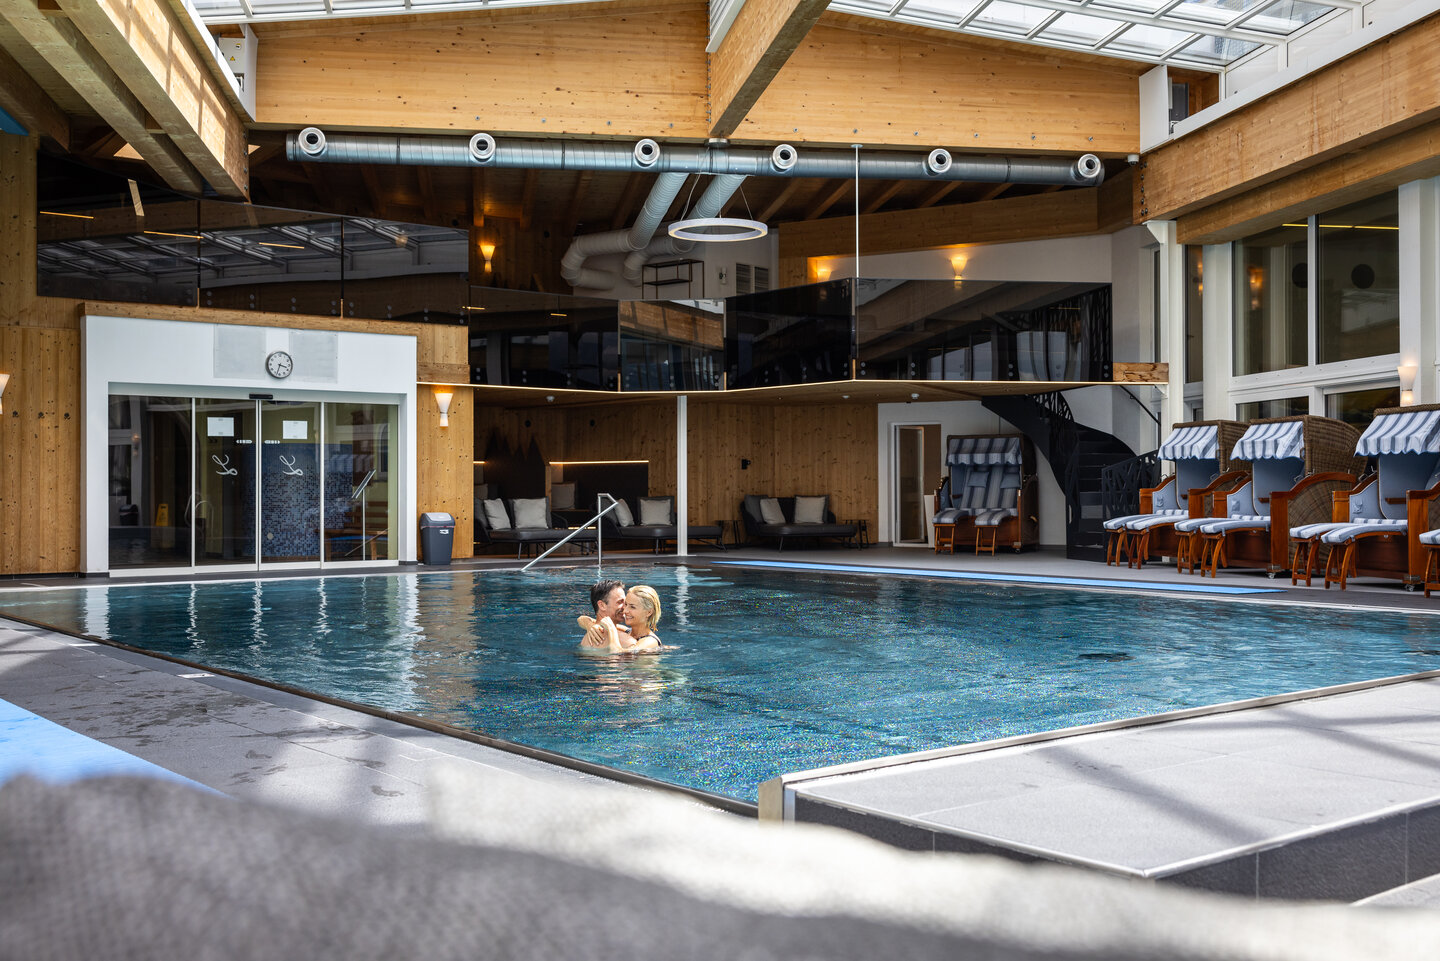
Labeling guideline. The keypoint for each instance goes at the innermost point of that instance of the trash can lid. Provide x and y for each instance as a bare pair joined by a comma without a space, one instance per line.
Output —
436,519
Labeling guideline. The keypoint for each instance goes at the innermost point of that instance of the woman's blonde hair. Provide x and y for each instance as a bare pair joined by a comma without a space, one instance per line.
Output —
651,600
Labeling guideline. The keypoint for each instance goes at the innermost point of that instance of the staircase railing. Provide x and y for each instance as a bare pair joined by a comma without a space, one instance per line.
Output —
1064,439
1120,483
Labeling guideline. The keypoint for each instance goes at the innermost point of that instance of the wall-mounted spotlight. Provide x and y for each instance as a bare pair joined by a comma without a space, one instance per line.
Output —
487,250
1407,383
822,274
442,401
957,265
4,380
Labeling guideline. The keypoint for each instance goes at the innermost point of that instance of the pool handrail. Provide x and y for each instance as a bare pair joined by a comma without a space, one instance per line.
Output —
599,552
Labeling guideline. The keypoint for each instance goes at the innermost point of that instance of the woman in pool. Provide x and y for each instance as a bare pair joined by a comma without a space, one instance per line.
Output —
642,613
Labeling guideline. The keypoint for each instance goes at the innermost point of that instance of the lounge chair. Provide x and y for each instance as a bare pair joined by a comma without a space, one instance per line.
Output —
1297,464
1201,453
653,520
1358,506
528,523
1405,442
776,518
989,495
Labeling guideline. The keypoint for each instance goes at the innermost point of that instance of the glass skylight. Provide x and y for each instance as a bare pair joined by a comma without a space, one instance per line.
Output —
1207,34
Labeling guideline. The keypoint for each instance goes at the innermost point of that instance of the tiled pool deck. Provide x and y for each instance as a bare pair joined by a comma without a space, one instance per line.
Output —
1335,797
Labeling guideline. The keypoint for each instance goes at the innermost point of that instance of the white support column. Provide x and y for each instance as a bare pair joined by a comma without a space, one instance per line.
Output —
1172,322
1218,308
682,477
1420,285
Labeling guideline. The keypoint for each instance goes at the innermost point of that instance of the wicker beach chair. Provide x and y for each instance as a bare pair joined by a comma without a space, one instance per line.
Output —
1297,464
989,495
1200,451
1405,442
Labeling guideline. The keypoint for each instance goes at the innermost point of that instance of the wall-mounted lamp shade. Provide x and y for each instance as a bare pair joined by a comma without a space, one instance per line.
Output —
442,401
4,381
487,250
957,264
1407,383
822,274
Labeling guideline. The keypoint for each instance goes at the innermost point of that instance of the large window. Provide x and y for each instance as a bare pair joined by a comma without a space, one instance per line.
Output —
151,509
1357,407
1359,276
1271,318
1279,407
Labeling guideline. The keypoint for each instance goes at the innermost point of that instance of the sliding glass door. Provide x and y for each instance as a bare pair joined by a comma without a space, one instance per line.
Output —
227,483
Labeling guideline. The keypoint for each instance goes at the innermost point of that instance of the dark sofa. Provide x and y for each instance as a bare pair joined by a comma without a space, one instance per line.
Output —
521,517
759,528
646,508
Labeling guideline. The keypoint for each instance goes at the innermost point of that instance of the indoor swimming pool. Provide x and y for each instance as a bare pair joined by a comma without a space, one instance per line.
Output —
764,671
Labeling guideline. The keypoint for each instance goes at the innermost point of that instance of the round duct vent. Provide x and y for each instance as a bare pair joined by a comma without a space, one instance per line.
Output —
939,161
1089,166
647,152
784,156
482,147
312,141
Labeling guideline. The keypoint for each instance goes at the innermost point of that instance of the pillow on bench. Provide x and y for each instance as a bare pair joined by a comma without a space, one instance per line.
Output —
811,510
531,513
495,517
770,511
657,511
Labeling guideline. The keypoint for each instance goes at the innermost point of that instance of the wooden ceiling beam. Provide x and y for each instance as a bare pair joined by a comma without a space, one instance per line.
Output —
829,199
764,35
780,200
59,43
1378,92
991,192
423,176
577,202
374,191
144,42
22,98
858,80
603,72
938,193
883,196
527,198
628,197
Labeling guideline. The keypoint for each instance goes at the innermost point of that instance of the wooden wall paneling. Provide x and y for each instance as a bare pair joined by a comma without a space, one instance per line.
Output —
18,195
444,477
838,458
40,437
1413,155
854,78
628,70
1378,92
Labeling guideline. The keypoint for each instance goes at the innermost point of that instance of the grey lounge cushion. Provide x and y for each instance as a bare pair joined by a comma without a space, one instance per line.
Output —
562,497
531,513
495,516
657,510
770,511
811,510
105,869
622,515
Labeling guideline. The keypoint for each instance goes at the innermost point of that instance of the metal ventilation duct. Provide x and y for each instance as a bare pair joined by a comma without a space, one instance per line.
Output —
483,150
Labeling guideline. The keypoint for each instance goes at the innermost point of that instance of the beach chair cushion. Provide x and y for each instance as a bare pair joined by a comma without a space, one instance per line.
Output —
1307,531
1188,525
1222,525
496,517
950,515
1345,533
531,513
811,510
1140,522
1431,538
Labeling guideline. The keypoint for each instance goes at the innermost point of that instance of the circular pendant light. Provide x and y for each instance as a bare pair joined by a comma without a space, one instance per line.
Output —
718,229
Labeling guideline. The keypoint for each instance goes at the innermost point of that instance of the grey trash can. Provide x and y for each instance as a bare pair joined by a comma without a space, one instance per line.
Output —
437,538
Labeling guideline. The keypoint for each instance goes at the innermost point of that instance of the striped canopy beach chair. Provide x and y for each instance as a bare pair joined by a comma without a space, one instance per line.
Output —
1297,463
989,494
1405,443
1200,451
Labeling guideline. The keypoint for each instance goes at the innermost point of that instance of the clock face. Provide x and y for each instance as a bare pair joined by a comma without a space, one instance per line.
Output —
279,364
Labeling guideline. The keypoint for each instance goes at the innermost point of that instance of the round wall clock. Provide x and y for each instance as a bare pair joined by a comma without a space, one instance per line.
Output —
279,364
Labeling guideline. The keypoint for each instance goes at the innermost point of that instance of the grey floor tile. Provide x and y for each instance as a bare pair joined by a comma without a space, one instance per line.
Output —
1105,826
1413,762
915,789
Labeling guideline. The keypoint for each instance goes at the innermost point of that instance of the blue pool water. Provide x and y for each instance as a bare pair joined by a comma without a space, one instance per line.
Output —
764,671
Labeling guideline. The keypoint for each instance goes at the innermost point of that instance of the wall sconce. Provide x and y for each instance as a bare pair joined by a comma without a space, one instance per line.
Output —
957,264
487,250
1407,383
442,401
4,380
822,274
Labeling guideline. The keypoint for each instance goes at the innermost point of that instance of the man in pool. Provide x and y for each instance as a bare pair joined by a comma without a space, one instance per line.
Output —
608,600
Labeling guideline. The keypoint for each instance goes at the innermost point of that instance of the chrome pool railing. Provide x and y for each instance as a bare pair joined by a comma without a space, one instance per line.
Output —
599,535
